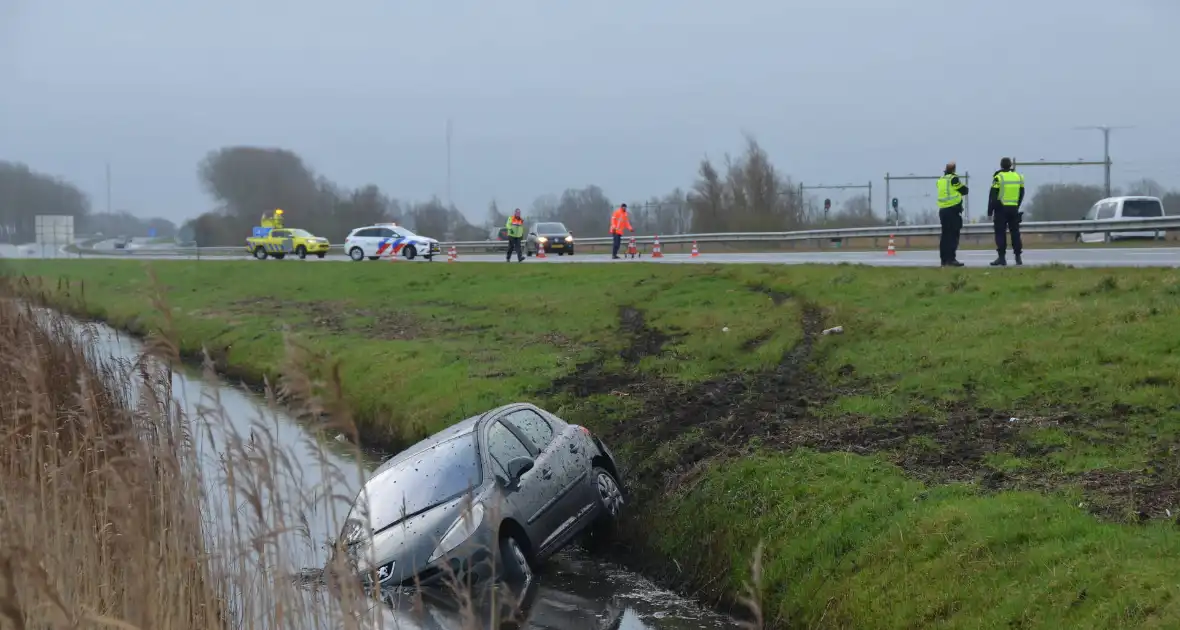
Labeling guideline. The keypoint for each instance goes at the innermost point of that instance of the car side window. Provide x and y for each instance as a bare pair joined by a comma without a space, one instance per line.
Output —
279,233
366,233
532,426
504,446
1092,213
1107,210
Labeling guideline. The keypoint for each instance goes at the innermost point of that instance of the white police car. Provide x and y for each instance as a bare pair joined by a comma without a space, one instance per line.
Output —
389,239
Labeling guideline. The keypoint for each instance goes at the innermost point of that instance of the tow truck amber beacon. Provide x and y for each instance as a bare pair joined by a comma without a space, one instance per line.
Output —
271,238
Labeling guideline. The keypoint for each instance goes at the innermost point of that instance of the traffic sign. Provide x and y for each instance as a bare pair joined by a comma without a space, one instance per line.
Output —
827,204
894,202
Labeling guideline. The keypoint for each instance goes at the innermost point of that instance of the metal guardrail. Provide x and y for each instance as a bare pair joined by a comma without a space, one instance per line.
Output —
1105,226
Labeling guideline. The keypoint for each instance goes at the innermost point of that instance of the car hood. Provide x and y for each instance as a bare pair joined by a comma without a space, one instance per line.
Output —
410,542
422,239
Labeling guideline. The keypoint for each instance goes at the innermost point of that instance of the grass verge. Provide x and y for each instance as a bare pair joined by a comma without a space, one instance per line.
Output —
979,448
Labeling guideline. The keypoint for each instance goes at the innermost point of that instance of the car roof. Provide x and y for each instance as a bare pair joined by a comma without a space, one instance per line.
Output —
1127,197
459,429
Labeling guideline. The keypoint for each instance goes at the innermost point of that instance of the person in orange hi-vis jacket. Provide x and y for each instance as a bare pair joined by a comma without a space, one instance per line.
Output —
619,221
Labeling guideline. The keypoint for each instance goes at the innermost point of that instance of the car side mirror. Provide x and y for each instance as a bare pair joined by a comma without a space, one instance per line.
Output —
532,233
518,467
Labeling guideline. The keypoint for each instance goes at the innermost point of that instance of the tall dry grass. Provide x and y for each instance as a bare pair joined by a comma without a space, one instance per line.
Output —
96,489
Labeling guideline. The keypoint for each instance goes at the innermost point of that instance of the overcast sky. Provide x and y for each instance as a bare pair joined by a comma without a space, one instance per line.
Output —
552,94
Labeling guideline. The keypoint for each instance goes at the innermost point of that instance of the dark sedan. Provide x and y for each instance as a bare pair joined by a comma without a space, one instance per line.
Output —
487,498
553,236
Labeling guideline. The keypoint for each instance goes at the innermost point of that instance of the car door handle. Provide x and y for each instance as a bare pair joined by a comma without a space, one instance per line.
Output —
546,473
573,448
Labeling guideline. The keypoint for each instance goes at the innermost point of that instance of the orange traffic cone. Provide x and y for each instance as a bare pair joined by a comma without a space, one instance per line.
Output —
632,250
695,251
541,250
655,248
891,251
452,255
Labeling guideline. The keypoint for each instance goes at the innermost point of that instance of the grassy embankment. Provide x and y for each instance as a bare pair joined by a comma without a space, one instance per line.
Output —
980,448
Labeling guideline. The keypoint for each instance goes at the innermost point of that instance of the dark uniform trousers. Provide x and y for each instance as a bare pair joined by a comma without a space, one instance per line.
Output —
514,244
1007,219
951,220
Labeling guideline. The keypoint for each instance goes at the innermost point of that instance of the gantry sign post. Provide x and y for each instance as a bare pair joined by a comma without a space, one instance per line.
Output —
828,202
1105,164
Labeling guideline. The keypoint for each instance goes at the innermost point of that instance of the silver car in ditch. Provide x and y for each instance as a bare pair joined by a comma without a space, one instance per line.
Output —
486,499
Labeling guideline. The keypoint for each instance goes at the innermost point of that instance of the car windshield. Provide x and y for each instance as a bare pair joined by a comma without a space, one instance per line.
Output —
442,472
551,228
301,233
405,232
1133,208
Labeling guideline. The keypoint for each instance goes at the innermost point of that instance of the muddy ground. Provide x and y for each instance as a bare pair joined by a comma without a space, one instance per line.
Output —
682,428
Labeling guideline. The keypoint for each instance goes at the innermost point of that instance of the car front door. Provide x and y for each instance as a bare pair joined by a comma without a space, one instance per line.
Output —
284,240
381,236
525,496
561,455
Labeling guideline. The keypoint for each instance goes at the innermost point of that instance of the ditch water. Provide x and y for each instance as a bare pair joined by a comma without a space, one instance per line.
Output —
573,591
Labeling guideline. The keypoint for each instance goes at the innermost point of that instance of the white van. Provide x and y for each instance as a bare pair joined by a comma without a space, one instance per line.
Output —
1123,208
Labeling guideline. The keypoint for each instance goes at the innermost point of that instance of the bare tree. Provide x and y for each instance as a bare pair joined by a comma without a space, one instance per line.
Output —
495,218
707,199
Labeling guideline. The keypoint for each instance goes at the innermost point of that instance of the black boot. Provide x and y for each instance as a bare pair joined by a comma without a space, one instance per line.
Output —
1000,262
1018,260
954,263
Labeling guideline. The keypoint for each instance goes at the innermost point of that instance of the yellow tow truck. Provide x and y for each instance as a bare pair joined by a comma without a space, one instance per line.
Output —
271,238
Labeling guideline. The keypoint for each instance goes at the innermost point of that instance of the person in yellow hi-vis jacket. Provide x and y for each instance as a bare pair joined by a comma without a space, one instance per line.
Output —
1003,206
515,227
951,191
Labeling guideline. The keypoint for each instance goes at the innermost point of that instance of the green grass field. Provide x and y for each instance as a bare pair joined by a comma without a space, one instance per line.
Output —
979,448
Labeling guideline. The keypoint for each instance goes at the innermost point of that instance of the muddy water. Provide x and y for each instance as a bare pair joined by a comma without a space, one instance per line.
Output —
574,591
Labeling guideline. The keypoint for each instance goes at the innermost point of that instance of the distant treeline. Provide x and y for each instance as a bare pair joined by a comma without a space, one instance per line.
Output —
24,194
746,193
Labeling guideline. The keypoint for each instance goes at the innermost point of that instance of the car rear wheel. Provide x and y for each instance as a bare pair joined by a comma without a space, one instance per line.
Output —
301,252
610,495
260,253
357,254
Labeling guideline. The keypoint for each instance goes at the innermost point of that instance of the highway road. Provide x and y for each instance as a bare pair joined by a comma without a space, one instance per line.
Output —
1095,256
1080,257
